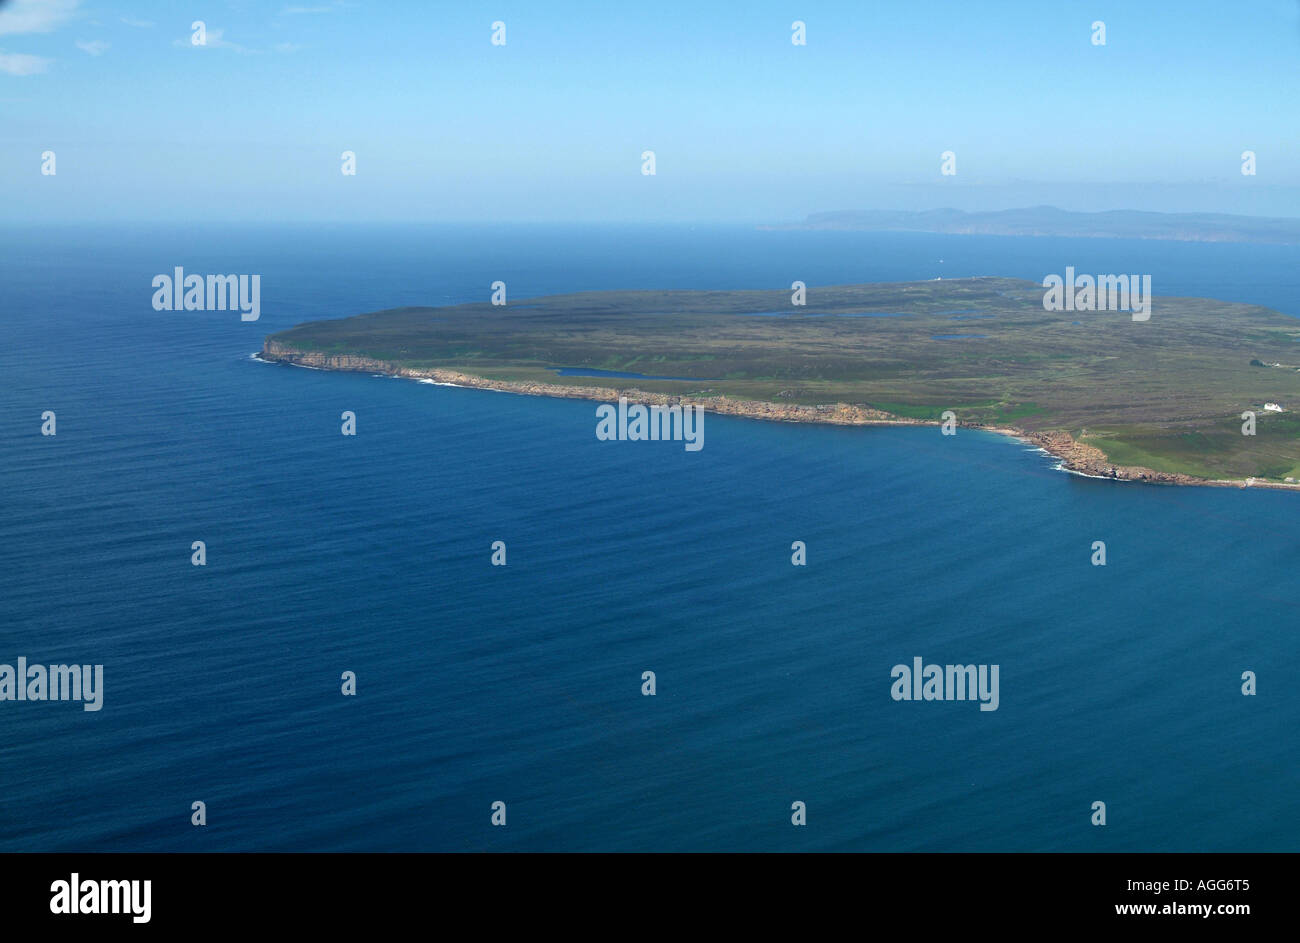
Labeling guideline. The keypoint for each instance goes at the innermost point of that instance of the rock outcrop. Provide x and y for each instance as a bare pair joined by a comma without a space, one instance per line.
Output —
1075,456
843,414
1089,460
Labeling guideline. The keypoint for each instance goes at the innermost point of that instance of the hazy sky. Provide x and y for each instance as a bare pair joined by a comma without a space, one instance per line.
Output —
745,125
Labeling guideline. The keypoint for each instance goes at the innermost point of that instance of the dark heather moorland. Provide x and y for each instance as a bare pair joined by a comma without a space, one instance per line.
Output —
1159,400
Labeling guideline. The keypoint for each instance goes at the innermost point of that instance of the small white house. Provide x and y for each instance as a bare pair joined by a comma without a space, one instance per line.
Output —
1273,408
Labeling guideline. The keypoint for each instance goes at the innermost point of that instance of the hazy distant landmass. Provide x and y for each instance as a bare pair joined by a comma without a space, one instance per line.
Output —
1157,400
1050,221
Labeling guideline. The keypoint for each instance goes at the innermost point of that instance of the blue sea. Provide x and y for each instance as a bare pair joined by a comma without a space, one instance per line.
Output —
522,683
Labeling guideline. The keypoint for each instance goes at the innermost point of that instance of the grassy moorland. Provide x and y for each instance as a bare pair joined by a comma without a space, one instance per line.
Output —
1165,394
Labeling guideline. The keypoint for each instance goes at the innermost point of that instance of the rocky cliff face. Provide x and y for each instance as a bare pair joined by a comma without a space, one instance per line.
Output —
836,414
1092,461
1074,455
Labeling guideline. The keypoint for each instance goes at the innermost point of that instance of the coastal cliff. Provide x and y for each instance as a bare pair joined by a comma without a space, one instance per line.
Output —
1089,460
842,414
1075,456
1168,393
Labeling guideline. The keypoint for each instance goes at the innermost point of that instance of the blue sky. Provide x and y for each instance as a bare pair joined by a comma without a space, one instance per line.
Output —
745,126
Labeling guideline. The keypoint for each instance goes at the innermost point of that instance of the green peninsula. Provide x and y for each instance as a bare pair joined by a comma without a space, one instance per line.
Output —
1157,400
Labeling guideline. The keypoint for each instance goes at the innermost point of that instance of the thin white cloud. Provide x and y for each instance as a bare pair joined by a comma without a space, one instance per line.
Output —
287,47
35,16
138,24
215,39
94,47
20,63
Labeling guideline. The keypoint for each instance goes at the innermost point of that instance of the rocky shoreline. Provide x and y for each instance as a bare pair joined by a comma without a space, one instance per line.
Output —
1075,456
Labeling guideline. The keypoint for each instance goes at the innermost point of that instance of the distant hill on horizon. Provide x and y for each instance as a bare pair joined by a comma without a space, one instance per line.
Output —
1051,221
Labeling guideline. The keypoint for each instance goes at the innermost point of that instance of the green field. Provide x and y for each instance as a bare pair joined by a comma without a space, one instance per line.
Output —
1166,393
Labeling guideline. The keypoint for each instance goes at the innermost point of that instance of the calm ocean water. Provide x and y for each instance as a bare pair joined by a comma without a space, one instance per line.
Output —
522,683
